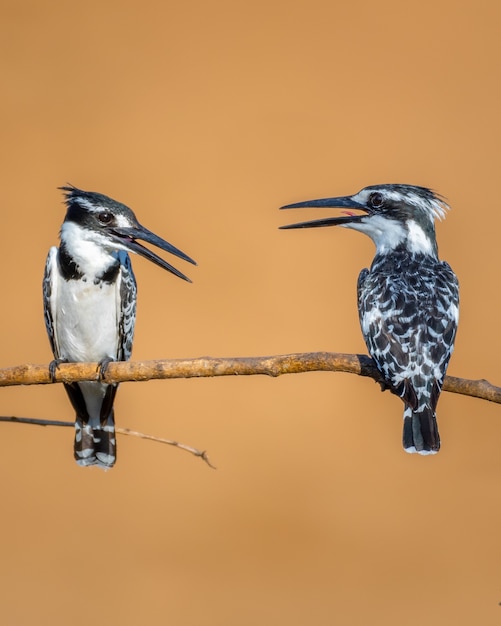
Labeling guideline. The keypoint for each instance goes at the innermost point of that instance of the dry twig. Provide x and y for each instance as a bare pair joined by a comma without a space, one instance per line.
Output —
122,431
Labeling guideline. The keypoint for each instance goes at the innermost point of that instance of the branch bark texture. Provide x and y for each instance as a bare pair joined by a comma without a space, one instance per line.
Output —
135,371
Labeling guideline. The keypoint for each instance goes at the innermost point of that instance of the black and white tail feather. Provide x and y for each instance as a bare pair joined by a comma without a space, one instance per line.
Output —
90,295
408,301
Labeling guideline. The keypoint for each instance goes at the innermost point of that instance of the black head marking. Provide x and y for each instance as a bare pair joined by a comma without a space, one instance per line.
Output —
405,202
91,209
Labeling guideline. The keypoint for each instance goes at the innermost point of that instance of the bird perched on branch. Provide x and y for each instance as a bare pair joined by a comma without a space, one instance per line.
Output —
407,301
89,293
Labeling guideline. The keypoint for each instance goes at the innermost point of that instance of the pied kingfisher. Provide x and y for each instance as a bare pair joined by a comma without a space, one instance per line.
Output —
408,301
89,293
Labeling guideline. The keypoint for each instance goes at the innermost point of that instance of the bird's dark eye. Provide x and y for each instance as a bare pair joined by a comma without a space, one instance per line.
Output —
376,200
104,217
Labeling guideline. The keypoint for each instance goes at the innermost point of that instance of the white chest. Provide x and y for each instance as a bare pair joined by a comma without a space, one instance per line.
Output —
87,317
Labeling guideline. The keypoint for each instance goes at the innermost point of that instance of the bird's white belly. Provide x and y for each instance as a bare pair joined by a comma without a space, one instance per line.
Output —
87,321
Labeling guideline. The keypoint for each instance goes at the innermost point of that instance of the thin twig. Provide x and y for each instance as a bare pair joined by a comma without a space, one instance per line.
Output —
182,446
122,431
136,371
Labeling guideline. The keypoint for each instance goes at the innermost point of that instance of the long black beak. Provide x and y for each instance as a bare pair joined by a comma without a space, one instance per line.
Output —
344,202
128,237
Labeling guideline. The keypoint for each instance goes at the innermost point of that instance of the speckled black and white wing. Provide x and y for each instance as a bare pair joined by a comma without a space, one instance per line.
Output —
127,293
408,313
50,297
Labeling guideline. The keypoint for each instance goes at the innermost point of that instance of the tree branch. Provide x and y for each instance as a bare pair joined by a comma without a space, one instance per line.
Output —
134,371
122,431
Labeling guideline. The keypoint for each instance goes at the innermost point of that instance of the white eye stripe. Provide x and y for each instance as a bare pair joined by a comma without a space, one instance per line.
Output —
435,207
83,202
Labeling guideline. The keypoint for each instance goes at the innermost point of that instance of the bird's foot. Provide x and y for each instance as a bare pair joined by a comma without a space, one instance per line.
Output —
53,366
384,385
103,366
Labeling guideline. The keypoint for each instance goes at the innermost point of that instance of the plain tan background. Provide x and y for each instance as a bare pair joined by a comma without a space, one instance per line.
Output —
205,117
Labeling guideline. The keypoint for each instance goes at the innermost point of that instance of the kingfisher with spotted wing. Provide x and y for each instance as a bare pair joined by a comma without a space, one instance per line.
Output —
408,301
89,293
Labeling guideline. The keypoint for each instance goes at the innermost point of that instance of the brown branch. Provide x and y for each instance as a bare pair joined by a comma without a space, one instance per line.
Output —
122,431
133,371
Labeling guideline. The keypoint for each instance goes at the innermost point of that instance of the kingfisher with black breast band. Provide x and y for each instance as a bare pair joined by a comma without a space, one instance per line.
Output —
408,301
89,293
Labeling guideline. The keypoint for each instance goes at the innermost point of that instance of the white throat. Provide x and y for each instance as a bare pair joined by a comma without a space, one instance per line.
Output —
88,249
388,234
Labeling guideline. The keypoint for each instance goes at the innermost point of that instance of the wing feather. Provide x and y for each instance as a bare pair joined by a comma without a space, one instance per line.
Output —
409,320
127,295
50,287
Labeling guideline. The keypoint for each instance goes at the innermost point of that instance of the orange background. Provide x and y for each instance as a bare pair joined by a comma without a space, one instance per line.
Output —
205,117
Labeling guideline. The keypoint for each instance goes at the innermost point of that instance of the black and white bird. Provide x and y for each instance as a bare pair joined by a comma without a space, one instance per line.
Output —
408,301
89,293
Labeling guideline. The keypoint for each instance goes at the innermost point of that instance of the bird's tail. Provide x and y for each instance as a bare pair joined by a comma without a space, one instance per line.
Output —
95,442
421,431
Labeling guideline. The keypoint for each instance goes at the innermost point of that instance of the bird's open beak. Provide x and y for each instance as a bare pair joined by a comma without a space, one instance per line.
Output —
129,236
344,202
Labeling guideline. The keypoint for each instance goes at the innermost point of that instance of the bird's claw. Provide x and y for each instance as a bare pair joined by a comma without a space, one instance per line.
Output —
103,367
53,366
